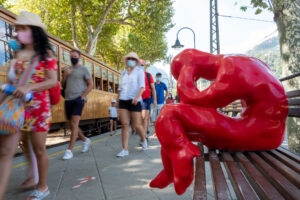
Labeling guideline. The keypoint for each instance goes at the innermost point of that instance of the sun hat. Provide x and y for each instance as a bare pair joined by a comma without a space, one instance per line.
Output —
143,62
30,19
132,55
113,101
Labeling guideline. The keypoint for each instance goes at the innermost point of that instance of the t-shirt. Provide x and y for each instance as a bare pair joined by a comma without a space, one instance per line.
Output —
76,82
160,94
131,84
147,93
113,112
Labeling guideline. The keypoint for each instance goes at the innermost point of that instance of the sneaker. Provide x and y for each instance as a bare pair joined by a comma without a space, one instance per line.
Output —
86,145
145,145
68,155
123,153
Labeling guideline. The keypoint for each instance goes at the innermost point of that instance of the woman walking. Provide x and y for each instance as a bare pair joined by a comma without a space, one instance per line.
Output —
131,88
34,45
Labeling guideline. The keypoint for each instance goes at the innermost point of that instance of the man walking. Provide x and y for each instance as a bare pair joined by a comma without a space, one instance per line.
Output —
78,83
160,89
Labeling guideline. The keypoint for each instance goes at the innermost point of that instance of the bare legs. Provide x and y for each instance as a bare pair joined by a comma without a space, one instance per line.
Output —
8,145
76,131
145,118
113,126
137,124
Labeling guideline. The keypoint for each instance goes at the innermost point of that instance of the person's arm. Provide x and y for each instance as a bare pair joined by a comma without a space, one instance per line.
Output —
153,94
167,92
137,97
89,87
66,73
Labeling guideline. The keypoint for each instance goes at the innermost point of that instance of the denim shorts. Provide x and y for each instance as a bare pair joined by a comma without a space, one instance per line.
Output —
146,104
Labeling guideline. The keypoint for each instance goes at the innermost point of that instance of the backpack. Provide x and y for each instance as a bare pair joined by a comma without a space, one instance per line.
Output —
149,79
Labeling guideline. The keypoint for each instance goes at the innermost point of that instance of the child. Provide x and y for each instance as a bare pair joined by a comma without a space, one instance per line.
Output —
113,116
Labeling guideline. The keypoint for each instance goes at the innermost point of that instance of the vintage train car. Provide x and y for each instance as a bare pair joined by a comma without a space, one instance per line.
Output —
106,79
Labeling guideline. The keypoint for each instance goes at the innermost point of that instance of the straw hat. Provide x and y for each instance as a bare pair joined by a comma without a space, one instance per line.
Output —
132,55
30,19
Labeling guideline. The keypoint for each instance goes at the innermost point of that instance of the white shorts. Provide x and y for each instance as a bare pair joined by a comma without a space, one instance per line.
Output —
154,111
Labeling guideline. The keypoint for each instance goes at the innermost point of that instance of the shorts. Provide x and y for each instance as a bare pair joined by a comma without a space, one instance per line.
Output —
155,111
114,118
74,107
127,105
146,104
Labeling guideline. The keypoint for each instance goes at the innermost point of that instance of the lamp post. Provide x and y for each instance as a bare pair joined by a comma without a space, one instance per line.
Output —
177,42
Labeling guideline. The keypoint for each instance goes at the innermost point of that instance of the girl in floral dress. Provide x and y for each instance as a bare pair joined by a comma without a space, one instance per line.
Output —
34,43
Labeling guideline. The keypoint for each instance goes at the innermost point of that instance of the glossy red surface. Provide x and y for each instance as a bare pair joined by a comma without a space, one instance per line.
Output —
260,126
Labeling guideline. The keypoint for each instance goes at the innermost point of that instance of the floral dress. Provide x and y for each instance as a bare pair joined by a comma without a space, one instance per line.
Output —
38,110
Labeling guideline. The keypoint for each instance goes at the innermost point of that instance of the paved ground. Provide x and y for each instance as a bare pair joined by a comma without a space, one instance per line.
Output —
116,178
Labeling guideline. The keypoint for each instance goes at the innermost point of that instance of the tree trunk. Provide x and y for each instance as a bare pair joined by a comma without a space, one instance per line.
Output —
74,27
287,17
92,42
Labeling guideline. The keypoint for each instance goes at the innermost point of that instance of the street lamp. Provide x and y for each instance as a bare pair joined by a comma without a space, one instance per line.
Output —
177,42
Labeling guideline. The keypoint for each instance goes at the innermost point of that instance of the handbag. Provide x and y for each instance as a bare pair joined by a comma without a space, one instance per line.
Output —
12,110
54,94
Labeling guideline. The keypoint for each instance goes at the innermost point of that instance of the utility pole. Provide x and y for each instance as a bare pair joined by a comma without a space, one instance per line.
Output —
214,27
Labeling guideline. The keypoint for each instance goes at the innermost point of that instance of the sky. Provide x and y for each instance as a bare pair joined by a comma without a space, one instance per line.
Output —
236,35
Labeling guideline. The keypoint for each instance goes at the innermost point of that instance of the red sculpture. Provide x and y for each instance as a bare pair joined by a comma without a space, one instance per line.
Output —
260,126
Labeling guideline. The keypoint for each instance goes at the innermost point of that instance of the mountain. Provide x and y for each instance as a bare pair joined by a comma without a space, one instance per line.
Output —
269,52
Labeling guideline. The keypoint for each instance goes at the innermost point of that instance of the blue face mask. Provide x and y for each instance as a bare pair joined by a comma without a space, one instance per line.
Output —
131,63
14,45
158,79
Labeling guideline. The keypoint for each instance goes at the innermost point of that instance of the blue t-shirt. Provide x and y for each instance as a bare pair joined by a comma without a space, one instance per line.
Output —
160,94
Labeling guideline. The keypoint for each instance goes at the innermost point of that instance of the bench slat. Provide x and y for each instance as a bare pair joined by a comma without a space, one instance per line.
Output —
262,187
294,112
293,93
279,181
220,185
287,172
287,161
289,154
294,102
200,181
241,187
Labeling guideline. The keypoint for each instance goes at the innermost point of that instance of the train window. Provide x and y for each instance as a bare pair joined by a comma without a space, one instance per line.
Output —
110,76
104,74
81,61
54,48
97,71
116,83
89,66
66,57
5,35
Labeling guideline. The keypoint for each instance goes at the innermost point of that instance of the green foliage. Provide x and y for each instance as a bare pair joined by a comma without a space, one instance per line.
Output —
130,25
259,5
269,52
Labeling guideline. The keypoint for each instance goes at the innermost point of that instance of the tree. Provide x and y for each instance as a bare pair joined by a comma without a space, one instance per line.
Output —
287,18
107,29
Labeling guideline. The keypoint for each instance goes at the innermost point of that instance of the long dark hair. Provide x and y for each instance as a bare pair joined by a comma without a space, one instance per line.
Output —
42,45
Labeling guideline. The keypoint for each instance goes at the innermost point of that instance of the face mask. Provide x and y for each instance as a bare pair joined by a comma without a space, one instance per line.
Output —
25,37
158,79
14,45
74,61
142,67
131,63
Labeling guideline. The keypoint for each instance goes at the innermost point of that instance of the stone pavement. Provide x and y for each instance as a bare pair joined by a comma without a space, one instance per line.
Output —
116,178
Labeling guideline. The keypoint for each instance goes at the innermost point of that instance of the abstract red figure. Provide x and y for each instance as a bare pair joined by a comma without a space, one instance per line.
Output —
260,126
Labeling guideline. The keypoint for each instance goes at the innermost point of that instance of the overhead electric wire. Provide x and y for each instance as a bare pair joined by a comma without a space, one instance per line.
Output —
244,18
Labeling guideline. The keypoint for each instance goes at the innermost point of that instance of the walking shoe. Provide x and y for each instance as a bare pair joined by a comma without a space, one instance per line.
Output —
123,153
68,155
145,145
86,145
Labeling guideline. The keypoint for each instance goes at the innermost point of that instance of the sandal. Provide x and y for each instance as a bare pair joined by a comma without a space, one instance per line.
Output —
38,195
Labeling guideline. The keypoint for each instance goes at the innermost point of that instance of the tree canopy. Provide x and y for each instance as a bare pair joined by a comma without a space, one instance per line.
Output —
106,29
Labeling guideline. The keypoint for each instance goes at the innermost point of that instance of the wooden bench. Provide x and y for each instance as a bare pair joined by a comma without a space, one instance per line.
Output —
270,175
